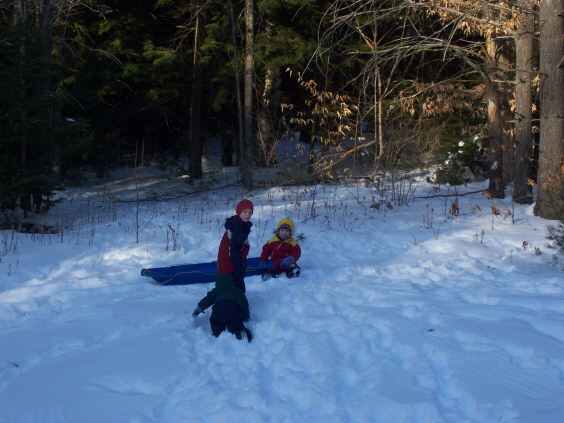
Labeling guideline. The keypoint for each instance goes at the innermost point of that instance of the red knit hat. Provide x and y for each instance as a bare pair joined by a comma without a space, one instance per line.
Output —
244,205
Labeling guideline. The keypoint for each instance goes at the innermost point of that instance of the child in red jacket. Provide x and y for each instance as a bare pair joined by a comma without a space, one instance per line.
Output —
234,246
283,251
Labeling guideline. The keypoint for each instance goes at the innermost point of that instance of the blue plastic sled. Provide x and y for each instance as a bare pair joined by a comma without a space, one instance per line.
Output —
184,274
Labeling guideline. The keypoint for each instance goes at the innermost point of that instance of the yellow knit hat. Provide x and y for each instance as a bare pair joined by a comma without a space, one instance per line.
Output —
285,223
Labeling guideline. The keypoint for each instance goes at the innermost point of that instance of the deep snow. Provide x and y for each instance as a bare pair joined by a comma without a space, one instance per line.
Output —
406,313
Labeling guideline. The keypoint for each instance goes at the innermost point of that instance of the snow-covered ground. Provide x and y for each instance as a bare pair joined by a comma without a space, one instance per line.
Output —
415,313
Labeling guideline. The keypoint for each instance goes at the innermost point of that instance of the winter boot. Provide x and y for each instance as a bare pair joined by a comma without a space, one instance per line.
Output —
269,274
293,272
245,334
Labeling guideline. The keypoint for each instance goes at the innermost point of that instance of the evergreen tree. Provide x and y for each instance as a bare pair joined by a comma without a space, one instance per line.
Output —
26,179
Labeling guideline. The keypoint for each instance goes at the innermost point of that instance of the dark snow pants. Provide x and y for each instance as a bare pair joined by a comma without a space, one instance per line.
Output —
226,315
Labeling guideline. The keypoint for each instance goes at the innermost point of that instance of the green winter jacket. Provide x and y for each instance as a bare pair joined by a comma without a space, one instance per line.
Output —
225,289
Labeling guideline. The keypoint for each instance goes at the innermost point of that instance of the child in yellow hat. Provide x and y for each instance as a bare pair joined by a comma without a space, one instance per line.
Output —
283,251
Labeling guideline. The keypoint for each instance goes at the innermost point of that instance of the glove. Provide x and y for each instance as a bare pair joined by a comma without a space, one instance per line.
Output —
286,262
197,311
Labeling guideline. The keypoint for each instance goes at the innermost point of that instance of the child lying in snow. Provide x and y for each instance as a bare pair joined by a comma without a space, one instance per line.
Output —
230,308
283,251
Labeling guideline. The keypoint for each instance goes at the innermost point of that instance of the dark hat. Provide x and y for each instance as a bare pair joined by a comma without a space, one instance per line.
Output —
244,205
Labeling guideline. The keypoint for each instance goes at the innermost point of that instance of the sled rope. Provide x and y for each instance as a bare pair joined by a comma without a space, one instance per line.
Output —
147,272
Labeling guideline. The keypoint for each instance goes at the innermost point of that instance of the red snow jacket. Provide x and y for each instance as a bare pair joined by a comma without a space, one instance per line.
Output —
234,248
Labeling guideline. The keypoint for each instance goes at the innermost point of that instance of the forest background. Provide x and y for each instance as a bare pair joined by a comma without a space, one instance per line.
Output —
368,88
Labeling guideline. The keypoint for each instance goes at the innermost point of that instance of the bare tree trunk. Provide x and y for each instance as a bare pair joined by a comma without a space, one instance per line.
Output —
378,123
20,13
312,139
550,196
507,134
378,109
40,154
195,145
495,124
237,82
267,116
522,189
247,144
